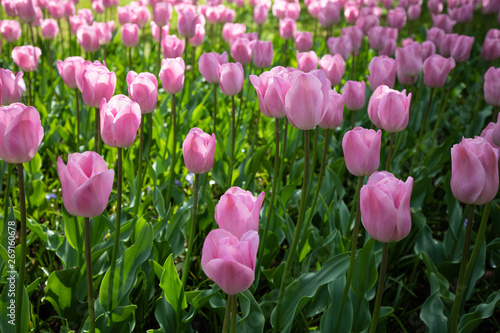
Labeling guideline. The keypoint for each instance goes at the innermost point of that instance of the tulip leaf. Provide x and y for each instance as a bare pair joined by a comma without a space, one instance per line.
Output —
8,315
165,315
60,292
252,319
73,231
331,315
120,320
432,313
365,271
172,285
300,291
471,320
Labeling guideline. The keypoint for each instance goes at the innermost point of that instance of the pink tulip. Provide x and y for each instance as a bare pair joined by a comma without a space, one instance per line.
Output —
409,60
362,151
263,54
474,171
287,28
303,41
366,23
120,120
172,47
269,88
130,34
230,262
462,14
414,12
86,183
143,89
329,14
231,31
260,14
389,109
11,30
105,31
227,15
356,36
186,23
98,6
10,7
435,35
492,86
385,207
382,72
211,13
76,22
199,36
26,10
495,134
198,149
314,8
208,64
446,43
162,13
333,67
241,51
67,70
307,99
142,15
231,78
341,45
50,29
307,61
21,133
26,57
125,15
88,38
397,18
436,70
444,22
293,10
335,113
97,83
388,4
491,45
406,41
87,14
461,47
238,211
12,87
487,134
279,9
69,9
351,13
354,93
155,31
435,6
379,37
428,49
172,75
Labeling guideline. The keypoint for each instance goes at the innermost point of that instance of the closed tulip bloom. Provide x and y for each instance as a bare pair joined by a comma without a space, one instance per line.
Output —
340,45
351,13
120,120
231,31
229,261
86,183
172,75
10,8
461,47
87,14
293,10
238,211
143,89
26,10
67,69
260,14
382,72
172,47
446,43
414,12
21,133
362,151
186,23
106,30
208,63
435,35
263,54
487,134
333,67
303,41
198,37
335,113
88,38
367,23
12,87
227,15
491,45
26,57
397,18
231,78
474,171
269,88
492,86
287,28
354,93
385,207
356,36
436,70
75,23
409,59
329,14
98,6
407,41
378,37
307,101
389,109
462,14
162,13
495,133
428,49
444,22
69,8
11,30
130,34
198,149
97,83
211,13
124,15
307,61
241,50
142,15
435,6
50,29
155,31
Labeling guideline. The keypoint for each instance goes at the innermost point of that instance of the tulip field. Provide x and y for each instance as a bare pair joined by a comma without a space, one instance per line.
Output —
249,166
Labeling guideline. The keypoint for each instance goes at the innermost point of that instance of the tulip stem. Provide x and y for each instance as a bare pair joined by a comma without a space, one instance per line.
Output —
354,245
129,58
22,240
226,315
158,54
172,165
150,134
262,244
96,131
389,156
300,220
283,153
424,121
187,264
139,167
6,194
233,313
30,95
77,120
443,102
233,129
313,160
215,107
380,287
90,286
116,243
461,285
353,119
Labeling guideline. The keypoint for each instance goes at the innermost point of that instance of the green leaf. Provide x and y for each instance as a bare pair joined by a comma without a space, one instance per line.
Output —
120,320
252,319
8,315
329,319
172,285
471,320
61,292
432,313
365,270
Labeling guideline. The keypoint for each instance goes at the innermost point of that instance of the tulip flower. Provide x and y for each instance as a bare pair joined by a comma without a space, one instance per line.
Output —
414,12
397,18
260,14
186,23
231,78
172,75
208,64
287,28
366,23
492,86
444,22
97,83
199,36
329,14
428,49
435,35
231,31
382,72
263,54
491,45
461,47
155,31
11,30
241,51
333,67
303,41
172,46
436,70
335,113
88,38
269,91
446,43
26,10
389,109
162,13
435,6
198,149
12,87
356,36
488,134
26,57
474,171
495,133
130,34
120,120
143,89
50,29
307,61
409,60
340,45
354,93
362,151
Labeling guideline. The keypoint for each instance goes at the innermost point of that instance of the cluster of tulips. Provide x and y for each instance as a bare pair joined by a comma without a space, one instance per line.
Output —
308,97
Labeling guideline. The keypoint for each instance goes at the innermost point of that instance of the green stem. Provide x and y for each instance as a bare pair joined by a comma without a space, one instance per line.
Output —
391,145
77,120
380,288
424,121
353,119
354,245
313,161
283,153
129,58
30,98
185,271
443,102
174,146
22,260
226,315
90,286
158,54
215,105
234,305
233,134
139,167
6,194
300,220
150,135
117,231
461,285
97,139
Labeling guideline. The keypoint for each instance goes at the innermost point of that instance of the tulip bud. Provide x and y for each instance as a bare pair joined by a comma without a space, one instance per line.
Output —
198,149
120,120
335,113
492,86
333,67
354,93
382,72
269,88
241,50
172,75
11,30
340,45
263,54
130,34
97,83
436,70
303,41
389,109
12,87
88,38
460,49
307,61
208,64
50,29
287,28
231,78
172,46
143,89
26,57
67,70
362,151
